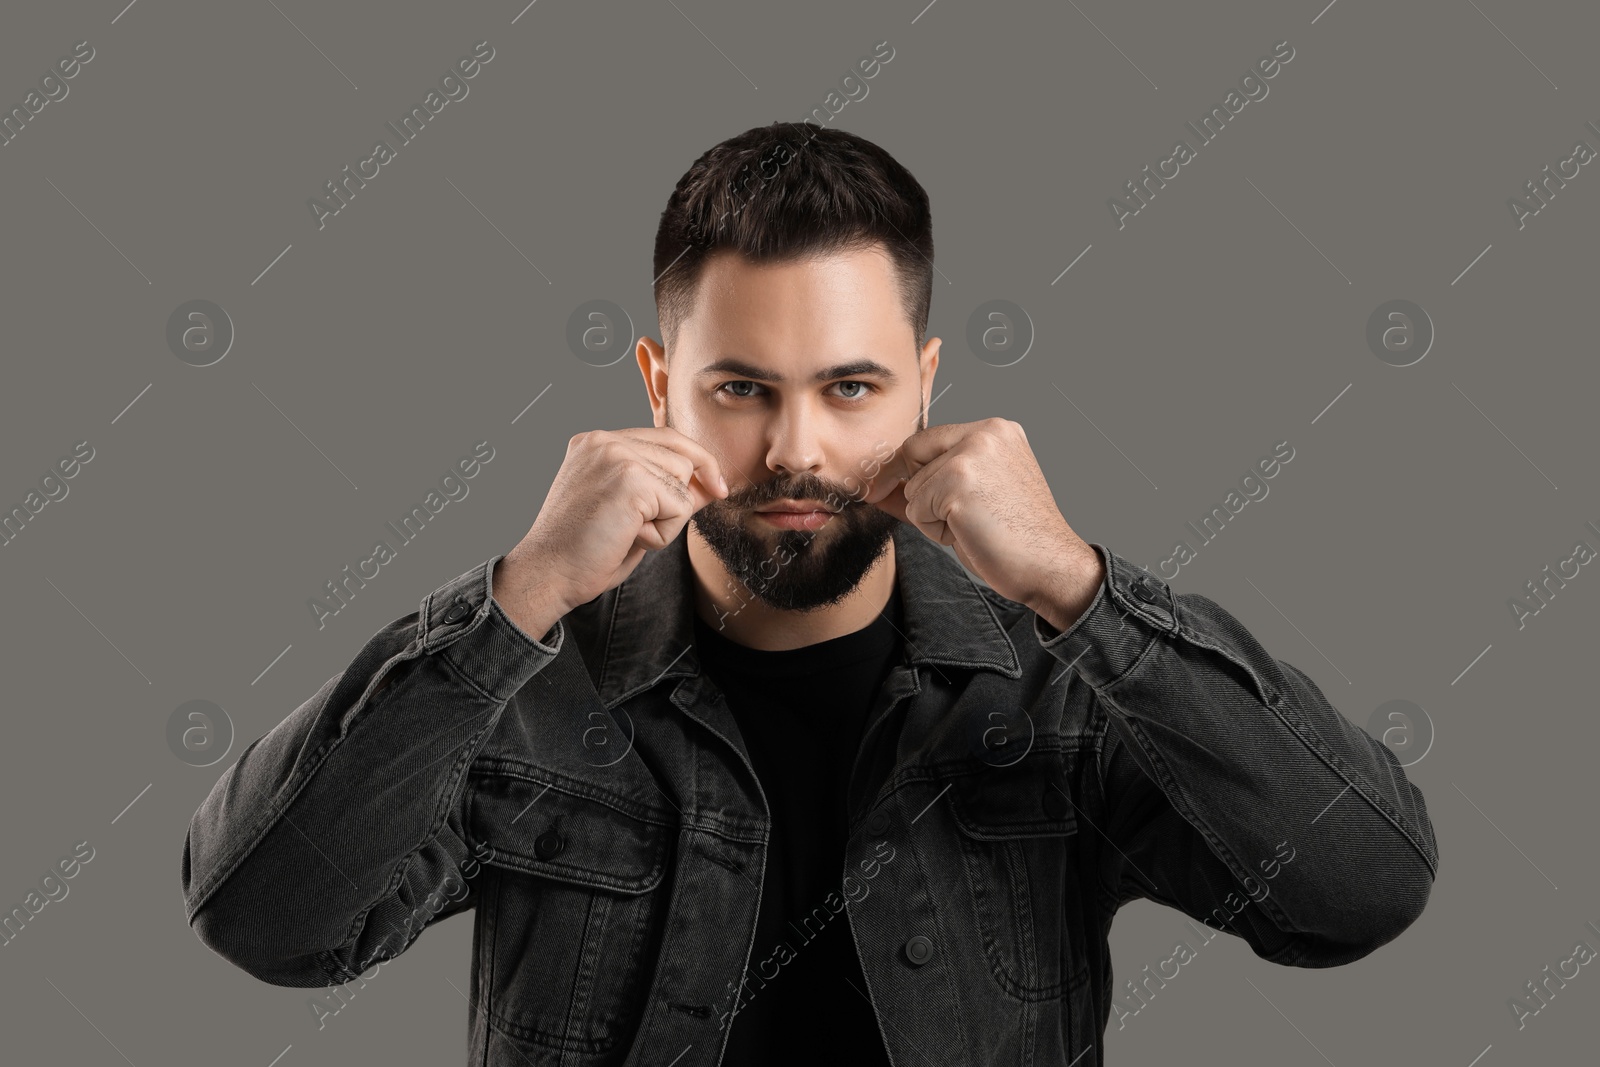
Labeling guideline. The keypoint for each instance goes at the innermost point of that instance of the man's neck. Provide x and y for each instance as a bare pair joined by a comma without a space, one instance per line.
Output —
745,619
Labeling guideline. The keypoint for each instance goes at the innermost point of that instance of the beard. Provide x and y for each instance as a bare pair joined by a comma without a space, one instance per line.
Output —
796,570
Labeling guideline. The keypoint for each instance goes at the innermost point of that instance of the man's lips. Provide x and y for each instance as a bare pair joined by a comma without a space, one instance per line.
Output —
795,515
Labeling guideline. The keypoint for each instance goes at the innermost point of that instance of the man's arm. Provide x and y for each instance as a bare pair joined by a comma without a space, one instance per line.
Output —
1221,761
317,853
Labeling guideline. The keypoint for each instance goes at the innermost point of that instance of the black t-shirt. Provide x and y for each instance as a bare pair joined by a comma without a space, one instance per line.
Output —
801,712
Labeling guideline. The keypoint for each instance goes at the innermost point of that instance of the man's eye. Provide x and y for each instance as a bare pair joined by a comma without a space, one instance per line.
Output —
734,388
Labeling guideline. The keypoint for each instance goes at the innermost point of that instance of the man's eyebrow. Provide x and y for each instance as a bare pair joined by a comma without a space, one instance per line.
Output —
856,368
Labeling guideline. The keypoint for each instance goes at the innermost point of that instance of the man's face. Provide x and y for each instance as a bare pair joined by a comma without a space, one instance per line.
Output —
745,385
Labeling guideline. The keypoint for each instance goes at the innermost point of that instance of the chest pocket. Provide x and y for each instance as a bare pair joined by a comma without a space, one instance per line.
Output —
1018,836
571,919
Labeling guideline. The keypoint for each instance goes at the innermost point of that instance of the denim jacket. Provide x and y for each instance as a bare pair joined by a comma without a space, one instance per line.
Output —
589,797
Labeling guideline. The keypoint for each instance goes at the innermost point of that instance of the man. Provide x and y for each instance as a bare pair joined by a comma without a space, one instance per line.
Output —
780,780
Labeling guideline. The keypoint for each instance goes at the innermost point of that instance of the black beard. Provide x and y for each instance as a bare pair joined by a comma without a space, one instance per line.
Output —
823,566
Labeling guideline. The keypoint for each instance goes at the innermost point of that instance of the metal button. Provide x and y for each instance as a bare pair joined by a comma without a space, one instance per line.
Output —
1142,590
457,611
1055,802
877,822
919,950
547,844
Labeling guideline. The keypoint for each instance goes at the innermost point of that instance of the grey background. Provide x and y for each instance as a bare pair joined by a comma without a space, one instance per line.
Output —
1170,357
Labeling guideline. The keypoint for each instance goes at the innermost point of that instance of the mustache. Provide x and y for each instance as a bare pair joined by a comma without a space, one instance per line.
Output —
796,489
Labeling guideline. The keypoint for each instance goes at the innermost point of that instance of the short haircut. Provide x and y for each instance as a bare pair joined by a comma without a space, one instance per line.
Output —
781,192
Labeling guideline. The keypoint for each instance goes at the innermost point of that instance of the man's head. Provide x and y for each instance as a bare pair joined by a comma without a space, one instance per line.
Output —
794,273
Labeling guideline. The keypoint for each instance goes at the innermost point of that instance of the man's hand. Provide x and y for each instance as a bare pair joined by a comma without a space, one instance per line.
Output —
618,495
977,487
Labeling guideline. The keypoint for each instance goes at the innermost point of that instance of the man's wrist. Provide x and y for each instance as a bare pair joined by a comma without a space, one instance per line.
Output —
1073,586
535,606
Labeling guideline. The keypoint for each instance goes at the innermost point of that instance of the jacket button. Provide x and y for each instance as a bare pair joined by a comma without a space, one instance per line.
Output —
457,611
919,950
1055,802
547,844
877,822
1142,590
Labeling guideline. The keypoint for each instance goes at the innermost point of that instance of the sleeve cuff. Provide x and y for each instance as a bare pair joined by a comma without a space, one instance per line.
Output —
462,620
1130,610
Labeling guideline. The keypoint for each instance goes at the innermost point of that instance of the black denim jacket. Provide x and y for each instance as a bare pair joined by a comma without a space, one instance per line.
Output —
590,797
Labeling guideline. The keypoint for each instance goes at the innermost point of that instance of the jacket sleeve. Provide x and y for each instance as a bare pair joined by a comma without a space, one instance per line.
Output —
337,837
1233,790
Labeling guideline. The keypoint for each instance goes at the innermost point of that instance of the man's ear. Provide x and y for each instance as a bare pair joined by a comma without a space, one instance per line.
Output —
930,364
653,366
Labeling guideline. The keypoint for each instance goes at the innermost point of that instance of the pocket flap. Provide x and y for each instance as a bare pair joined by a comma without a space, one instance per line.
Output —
541,829
1028,798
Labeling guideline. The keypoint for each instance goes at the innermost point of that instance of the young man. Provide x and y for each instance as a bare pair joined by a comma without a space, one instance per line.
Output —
737,764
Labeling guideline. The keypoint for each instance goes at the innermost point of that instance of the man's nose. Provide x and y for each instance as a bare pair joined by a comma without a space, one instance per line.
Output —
793,441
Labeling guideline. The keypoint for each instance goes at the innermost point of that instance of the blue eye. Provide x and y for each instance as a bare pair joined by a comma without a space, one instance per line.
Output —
866,389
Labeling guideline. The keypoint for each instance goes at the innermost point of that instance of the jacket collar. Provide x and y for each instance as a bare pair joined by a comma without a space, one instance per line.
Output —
650,636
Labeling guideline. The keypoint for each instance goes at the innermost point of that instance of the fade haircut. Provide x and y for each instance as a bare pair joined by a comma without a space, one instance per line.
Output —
781,192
